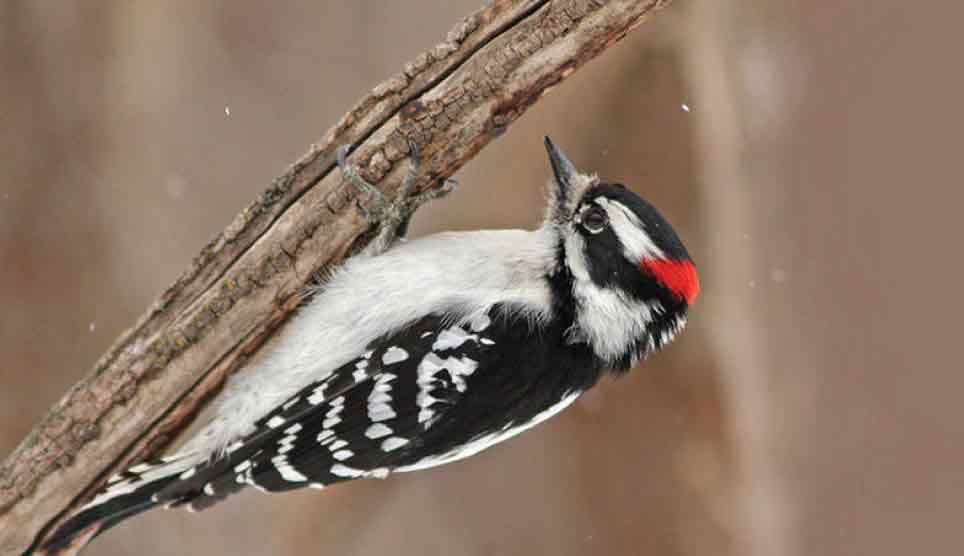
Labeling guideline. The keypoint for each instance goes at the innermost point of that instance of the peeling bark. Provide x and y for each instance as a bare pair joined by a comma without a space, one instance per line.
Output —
451,100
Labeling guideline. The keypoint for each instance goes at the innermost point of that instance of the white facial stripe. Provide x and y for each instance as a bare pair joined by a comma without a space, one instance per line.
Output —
606,319
637,245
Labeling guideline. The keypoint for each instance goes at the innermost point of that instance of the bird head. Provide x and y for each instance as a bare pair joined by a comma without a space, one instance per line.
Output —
631,279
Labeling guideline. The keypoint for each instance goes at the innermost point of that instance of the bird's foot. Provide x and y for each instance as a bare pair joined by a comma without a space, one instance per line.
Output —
392,216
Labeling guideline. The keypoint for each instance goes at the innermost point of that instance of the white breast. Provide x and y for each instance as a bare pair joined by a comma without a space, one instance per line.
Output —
460,273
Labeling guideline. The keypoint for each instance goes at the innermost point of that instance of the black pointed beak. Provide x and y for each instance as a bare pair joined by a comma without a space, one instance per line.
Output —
561,167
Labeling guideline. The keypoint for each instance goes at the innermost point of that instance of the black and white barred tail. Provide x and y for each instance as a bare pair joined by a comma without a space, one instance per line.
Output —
125,495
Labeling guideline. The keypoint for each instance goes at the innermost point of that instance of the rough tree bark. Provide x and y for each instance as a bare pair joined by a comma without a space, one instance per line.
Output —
152,382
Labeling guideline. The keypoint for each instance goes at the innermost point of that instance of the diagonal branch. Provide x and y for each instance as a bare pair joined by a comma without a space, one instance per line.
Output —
153,381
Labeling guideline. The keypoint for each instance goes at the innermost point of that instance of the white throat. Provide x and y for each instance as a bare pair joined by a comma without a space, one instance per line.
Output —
607,319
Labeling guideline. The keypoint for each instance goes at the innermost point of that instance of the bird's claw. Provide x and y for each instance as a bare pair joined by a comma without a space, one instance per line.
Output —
392,217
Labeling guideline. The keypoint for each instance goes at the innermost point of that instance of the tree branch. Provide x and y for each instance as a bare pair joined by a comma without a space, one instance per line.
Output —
153,381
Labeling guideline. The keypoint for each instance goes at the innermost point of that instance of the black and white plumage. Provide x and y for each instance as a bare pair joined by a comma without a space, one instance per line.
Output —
432,351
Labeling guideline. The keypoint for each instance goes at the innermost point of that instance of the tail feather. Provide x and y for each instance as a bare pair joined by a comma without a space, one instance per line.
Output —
126,495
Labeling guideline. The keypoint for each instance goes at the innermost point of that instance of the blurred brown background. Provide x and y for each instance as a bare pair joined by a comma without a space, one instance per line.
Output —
808,153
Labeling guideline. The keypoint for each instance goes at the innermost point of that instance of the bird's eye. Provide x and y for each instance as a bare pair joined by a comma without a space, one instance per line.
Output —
594,220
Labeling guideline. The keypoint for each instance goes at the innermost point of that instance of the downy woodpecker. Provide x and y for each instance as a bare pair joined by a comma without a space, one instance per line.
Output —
432,350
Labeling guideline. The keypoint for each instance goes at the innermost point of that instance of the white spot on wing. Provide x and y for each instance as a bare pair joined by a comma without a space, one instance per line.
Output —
380,398
291,474
275,422
451,338
287,443
425,414
394,355
460,369
381,412
378,430
393,443
332,416
325,436
431,364
342,470
318,394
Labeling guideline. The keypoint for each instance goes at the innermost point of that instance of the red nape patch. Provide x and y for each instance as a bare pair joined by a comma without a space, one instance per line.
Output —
678,277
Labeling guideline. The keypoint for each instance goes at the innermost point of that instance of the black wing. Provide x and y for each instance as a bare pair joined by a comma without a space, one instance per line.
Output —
362,420
417,394
433,392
